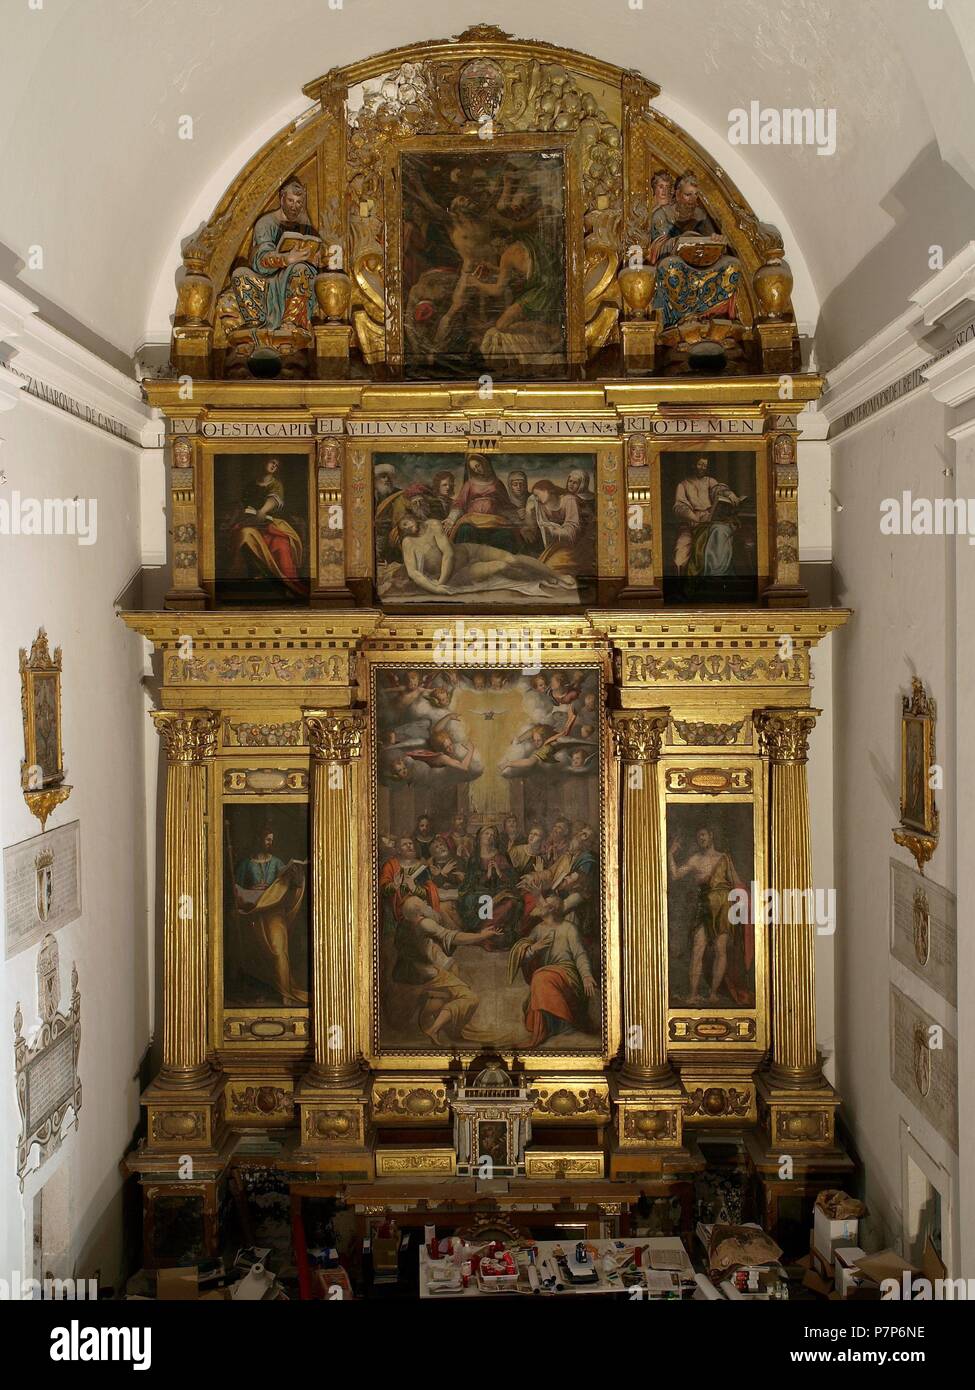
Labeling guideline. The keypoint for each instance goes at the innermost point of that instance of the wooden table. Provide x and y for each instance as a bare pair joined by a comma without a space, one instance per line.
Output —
608,1284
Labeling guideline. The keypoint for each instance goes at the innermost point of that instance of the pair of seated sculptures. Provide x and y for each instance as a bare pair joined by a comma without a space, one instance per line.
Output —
267,308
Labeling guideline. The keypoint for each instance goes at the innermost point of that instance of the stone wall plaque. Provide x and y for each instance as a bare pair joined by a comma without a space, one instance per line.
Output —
42,886
926,1073
924,929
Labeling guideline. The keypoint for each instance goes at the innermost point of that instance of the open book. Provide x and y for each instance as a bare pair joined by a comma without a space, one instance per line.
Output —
308,243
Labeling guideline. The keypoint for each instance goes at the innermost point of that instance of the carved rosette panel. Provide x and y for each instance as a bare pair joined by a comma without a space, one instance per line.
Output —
698,734
410,1104
287,733
576,1103
334,1125
266,1103
719,1102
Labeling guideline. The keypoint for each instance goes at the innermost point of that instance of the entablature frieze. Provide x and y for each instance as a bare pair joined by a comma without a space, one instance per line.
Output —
221,409
712,669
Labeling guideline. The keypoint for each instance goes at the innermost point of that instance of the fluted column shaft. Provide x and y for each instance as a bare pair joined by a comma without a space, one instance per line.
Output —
190,738
336,739
636,740
784,741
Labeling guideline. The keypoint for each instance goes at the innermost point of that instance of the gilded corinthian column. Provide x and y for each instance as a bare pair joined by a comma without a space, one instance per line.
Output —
784,741
335,738
636,741
648,1099
190,738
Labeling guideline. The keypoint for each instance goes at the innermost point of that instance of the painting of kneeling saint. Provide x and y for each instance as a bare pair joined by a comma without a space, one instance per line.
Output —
508,528
710,526
265,905
484,287
261,526
710,868
488,884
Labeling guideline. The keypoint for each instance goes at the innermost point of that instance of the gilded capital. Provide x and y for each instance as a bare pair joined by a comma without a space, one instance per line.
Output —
190,735
783,734
638,734
335,736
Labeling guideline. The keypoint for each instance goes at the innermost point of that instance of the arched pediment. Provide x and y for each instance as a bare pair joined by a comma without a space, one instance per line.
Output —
488,186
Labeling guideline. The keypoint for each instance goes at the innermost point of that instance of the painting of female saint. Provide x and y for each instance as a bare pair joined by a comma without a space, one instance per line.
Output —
46,739
710,869
509,528
261,526
488,886
710,528
265,905
483,270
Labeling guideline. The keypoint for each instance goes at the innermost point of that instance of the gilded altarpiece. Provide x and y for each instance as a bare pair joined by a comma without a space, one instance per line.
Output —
483,674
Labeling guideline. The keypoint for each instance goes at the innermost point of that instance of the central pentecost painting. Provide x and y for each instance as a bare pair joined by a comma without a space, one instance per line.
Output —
489,875
483,262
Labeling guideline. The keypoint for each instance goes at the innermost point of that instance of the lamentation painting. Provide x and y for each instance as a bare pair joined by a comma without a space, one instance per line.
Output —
261,526
265,905
506,528
710,871
488,881
709,508
483,263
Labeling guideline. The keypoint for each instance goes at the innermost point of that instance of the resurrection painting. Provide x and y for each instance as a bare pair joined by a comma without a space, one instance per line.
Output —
265,905
710,530
509,528
710,915
261,530
489,878
483,263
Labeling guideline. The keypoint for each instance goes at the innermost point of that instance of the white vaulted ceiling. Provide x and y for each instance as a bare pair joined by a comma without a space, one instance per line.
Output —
91,93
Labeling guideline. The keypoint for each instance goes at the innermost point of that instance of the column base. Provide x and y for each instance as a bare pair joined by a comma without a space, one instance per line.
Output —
799,1117
335,1119
648,1117
182,1194
185,1114
787,1193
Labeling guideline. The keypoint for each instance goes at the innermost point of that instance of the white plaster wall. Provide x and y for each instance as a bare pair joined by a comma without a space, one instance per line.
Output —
901,588
69,589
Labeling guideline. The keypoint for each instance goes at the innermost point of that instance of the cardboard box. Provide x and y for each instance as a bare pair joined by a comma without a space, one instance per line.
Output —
846,1270
884,1264
819,1264
827,1234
